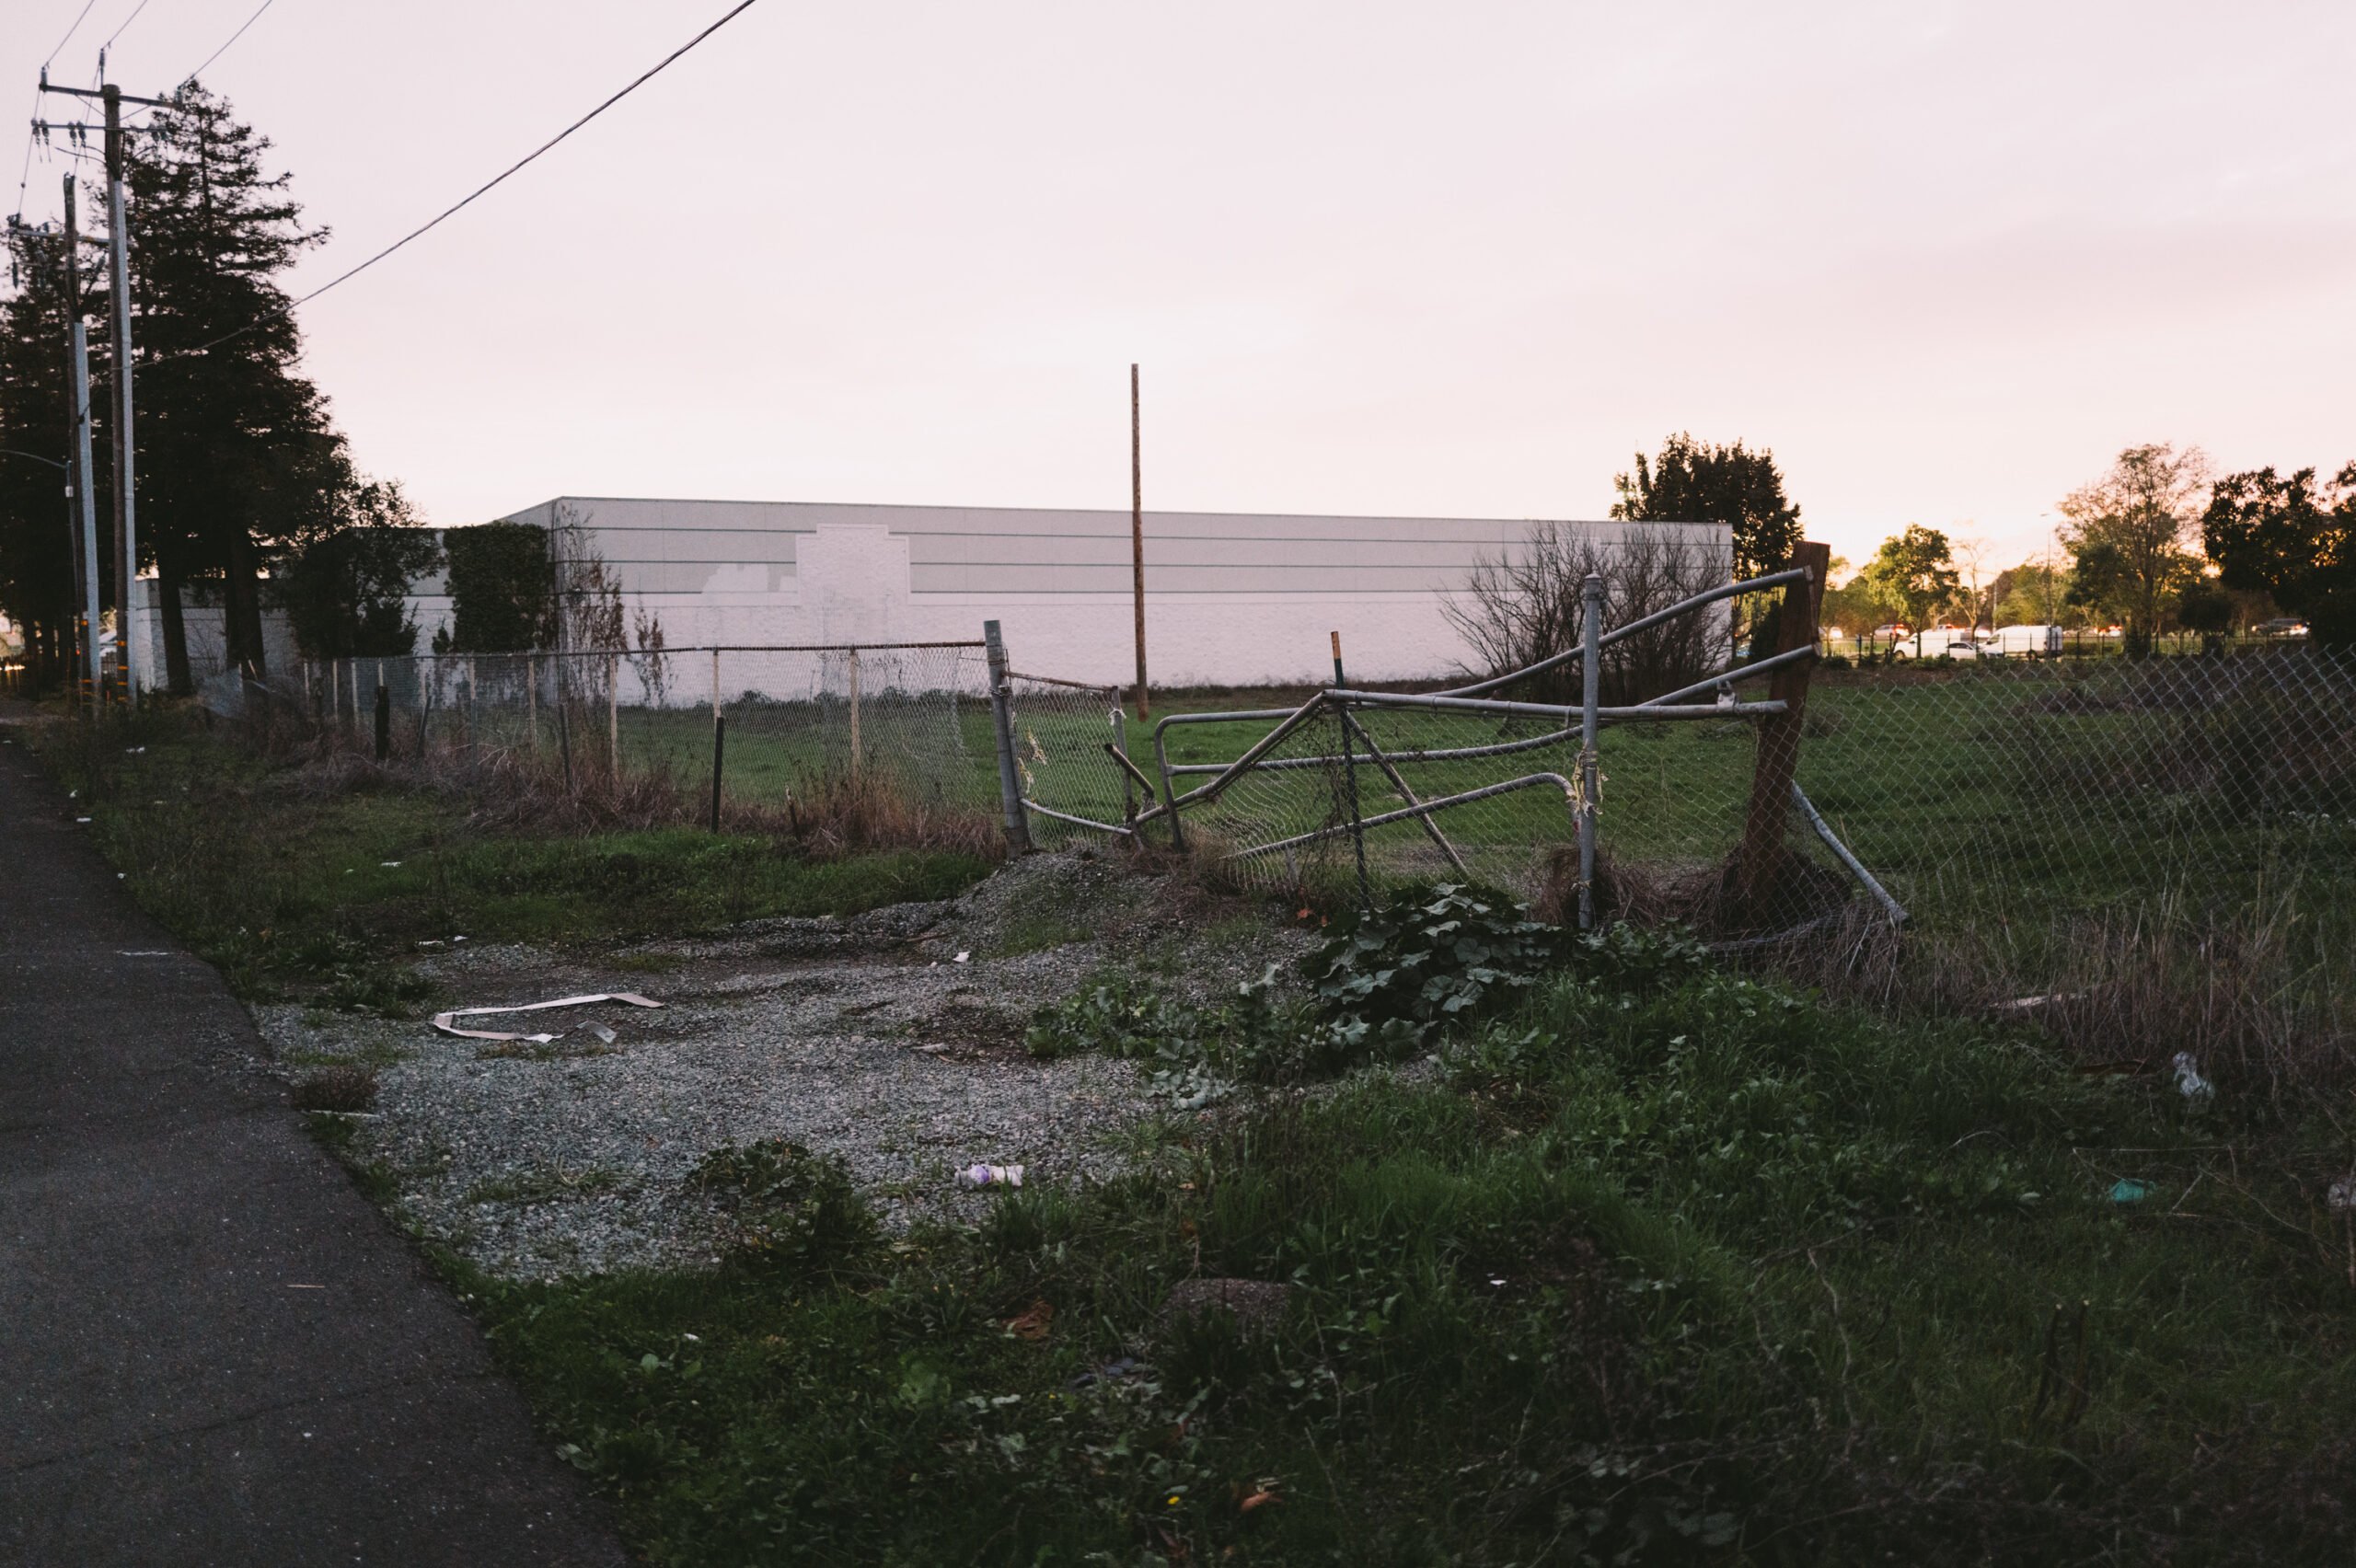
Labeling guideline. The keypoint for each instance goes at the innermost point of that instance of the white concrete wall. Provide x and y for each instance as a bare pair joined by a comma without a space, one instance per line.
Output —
1230,599
205,628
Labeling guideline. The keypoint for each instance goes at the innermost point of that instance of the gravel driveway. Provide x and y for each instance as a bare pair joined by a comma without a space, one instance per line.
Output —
864,1038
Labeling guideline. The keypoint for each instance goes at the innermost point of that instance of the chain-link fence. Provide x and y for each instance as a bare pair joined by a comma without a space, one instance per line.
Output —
2000,796
1070,760
772,724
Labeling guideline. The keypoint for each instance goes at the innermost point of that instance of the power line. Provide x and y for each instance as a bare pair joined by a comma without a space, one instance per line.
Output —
69,34
124,27
234,36
648,75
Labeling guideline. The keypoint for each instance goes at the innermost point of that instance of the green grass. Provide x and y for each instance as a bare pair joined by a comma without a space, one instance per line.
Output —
282,885
1713,1275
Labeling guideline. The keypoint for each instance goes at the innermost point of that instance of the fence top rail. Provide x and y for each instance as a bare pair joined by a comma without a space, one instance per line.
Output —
1097,686
649,653
1644,713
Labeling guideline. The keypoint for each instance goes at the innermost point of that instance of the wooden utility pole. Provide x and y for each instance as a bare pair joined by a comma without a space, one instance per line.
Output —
1136,537
126,517
77,479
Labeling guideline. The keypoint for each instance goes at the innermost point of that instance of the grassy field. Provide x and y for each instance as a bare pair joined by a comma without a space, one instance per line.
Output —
1662,1264
1694,1273
293,877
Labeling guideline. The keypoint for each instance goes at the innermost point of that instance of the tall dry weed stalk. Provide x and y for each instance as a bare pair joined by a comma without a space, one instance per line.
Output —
2262,995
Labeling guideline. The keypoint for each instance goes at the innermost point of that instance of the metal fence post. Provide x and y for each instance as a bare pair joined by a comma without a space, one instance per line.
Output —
1350,779
718,740
614,716
854,717
1010,785
1121,750
383,715
1591,689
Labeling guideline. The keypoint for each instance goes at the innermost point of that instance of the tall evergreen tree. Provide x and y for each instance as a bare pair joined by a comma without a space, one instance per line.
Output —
1692,481
236,456
36,537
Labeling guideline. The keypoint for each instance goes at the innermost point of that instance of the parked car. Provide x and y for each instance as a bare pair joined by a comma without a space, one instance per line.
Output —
1945,641
1889,633
2281,626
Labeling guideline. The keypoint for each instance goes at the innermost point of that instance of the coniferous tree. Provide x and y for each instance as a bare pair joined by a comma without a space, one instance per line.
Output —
1692,481
237,459
37,587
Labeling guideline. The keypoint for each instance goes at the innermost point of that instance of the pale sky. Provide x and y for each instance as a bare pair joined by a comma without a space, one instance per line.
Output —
1454,259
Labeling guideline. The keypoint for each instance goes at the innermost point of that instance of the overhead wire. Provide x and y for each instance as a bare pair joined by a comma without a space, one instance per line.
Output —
639,81
123,26
62,42
234,36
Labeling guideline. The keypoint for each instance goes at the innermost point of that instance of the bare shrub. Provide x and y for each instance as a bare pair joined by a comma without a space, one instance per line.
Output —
835,814
1523,606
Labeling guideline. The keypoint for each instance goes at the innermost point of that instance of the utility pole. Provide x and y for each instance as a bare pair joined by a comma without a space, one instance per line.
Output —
1136,537
126,512
81,344
78,454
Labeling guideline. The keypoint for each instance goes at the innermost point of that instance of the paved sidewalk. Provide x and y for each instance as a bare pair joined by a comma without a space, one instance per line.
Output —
212,1349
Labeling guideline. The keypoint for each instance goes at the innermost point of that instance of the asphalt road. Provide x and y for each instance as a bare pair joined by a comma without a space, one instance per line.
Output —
212,1350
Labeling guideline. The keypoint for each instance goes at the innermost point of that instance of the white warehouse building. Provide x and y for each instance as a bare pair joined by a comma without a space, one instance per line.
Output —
1231,598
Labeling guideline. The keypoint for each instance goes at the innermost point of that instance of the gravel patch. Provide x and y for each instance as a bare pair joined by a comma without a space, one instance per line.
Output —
866,1038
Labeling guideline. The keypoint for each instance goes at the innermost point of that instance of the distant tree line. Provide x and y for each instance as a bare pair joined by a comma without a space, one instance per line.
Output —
2154,545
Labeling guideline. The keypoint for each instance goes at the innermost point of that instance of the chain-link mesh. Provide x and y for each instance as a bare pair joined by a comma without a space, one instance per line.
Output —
1062,730
799,719
1977,796
1289,822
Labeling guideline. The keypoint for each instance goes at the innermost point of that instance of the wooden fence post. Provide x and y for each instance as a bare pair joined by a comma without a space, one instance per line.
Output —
1759,862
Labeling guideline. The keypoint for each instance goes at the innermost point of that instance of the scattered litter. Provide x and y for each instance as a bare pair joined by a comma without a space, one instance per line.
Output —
2343,1193
604,1033
430,942
119,875
306,1287
1261,1495
2128,1189
961,958
388,863
1112,1371
446,1021
132,751
81,819
934,1050
454,940
2030,1004
1034,1322
145,952
990,1176
2189,1080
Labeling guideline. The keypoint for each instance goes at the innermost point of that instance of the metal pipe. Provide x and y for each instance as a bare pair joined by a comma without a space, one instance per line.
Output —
1080,821
1591,672
1708,596
1431,829
1840,851
1553,710
1010,787
1350,776
1242,765
1428,806
1117,754
1727,677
